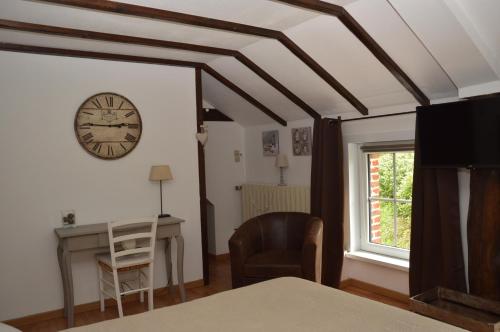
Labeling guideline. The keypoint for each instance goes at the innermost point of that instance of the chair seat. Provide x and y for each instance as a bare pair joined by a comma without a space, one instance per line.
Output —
274,264
132,262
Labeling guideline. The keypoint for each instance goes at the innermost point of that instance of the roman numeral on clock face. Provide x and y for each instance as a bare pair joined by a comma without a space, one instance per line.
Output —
133,126
109,101
130,114
130,138
97,147
110,151
88,137
97,103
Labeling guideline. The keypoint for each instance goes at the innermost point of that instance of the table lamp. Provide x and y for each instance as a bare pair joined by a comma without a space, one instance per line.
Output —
161,173
282,163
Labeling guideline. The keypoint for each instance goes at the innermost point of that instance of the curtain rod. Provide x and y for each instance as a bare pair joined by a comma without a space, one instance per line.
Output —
378,116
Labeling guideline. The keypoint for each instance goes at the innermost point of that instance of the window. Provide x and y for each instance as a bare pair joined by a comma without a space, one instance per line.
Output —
386,178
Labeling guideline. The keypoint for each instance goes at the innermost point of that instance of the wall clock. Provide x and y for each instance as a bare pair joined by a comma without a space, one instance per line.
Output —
108,126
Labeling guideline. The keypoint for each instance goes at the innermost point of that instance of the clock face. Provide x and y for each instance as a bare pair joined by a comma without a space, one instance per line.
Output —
108,125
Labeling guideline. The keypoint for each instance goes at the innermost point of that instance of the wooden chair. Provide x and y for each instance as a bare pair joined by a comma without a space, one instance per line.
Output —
126,258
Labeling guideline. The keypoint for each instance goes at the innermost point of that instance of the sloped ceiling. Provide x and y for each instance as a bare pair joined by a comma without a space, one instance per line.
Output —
448,48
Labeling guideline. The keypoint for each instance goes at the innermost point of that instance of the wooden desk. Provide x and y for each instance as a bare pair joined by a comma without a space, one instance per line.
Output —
95,236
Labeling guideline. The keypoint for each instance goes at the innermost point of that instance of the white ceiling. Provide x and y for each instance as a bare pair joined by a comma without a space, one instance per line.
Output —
449,48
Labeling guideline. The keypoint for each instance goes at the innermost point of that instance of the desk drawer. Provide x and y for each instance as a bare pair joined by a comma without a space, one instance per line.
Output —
103,239
165,231
83,242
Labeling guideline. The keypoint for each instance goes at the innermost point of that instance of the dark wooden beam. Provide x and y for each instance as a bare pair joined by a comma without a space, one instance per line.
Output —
277,85
139,59
205,22
124,39
319,6
365,38
166,15
95,55
323,73
212,114
384,58
202,178
209,70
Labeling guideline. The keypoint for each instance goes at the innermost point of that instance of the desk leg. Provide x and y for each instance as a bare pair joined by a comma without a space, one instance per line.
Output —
168,264
180,266
68,281
63,272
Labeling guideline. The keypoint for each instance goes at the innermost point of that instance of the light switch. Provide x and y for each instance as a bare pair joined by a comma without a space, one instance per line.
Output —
237,156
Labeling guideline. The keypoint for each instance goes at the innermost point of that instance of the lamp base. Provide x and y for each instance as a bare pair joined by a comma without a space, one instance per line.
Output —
164,215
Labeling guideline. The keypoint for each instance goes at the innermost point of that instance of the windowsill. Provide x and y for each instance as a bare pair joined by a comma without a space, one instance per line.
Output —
369,257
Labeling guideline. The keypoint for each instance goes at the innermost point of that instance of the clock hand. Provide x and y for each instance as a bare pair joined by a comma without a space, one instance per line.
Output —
119,125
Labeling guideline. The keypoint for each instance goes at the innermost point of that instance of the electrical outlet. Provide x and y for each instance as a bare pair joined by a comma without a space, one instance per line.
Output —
68,218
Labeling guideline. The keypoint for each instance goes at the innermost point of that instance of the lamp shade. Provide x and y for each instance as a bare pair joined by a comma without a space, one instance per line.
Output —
160,173
281,161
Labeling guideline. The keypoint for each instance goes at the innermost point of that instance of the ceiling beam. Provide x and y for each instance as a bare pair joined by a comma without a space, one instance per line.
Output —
95,55
209,70
278,86
364,37
324,74
206,22
139,59
124,39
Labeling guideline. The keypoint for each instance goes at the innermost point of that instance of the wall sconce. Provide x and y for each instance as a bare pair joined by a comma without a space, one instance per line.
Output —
202,136
282,163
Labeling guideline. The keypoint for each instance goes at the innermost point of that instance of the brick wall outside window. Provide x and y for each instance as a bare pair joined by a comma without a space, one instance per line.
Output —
375,230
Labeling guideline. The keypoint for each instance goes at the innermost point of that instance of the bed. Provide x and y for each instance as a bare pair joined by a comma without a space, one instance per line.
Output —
284,304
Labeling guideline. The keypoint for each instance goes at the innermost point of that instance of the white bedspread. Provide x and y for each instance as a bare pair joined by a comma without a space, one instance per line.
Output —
284,304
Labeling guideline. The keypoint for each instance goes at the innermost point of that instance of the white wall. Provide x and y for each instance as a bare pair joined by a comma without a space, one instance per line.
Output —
261,169
223,174
44,170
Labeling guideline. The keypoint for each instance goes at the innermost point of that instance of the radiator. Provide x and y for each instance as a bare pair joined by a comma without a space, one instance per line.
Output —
259,199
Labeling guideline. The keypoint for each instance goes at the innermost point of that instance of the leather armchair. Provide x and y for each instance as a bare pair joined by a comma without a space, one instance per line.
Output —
276,245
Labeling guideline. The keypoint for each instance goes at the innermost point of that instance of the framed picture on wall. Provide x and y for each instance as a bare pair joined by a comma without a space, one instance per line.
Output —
301,141
270,143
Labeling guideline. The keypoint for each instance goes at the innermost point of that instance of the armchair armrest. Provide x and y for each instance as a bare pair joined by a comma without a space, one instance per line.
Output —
312,250
245,242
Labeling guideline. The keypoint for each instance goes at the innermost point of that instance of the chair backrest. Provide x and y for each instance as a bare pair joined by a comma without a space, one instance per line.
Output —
283,230
140,230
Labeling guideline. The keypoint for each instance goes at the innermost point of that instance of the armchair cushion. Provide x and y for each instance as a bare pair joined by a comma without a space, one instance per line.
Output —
274,264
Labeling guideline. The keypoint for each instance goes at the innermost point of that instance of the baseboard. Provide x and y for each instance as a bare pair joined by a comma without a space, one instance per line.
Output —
400,297
219,258
85,307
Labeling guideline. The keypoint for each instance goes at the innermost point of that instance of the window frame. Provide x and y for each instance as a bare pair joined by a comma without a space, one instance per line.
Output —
364,198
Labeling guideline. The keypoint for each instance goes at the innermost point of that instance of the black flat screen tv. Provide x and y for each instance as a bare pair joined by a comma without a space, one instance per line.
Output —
460,134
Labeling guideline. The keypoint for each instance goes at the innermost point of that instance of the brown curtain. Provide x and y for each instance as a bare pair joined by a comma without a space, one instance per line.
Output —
483,232
327,195
436,257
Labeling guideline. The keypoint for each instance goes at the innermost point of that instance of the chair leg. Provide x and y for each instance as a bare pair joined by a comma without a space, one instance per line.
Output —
141,285
117,293
101,287
151,287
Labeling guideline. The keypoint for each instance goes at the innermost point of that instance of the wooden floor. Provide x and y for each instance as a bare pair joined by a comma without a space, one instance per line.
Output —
220,281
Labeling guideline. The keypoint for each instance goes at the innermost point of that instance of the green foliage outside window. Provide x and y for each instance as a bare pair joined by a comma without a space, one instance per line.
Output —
402,190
